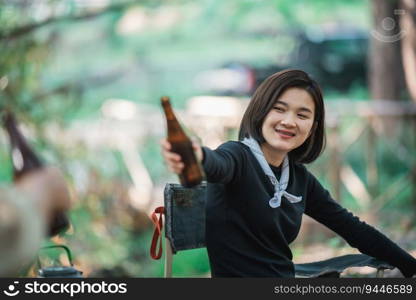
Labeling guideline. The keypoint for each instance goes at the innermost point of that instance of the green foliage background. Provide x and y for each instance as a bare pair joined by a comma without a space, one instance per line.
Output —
64,70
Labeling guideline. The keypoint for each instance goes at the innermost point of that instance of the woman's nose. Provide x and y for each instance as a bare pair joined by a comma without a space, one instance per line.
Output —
288,121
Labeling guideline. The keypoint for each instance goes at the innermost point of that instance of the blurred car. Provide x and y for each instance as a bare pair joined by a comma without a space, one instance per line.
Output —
231,79
335,58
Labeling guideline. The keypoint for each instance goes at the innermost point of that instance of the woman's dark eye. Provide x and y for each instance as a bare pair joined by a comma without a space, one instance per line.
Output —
302,116
280,109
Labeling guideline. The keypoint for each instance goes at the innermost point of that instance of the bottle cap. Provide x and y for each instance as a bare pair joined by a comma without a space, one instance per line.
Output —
164,99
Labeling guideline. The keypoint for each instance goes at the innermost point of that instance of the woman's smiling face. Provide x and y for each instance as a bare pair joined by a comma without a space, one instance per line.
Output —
289,123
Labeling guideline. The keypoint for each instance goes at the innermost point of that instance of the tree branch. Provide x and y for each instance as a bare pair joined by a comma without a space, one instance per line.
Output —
27,29
101,79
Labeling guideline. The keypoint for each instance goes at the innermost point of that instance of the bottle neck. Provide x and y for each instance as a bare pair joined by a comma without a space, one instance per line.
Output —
15,136
170,115
24,158
173,126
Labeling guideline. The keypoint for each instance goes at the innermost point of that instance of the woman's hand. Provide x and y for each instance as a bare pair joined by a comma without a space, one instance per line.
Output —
174,160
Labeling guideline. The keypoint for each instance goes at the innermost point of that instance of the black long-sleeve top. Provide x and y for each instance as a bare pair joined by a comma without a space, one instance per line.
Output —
245,237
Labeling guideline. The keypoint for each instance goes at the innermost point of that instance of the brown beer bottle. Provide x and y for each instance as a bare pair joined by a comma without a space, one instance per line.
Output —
24,160
192,173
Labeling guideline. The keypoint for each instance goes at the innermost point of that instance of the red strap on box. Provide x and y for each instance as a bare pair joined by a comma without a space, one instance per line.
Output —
157,234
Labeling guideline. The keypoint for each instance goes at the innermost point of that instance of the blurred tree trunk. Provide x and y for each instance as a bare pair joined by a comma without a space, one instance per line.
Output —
386,74
392,59
408,26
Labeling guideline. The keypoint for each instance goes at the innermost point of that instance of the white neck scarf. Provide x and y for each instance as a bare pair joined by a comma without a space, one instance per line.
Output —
279,187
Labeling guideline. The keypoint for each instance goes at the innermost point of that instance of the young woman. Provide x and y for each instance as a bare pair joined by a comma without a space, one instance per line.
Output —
258,188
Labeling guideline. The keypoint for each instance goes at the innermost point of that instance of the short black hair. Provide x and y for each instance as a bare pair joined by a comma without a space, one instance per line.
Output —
265,97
